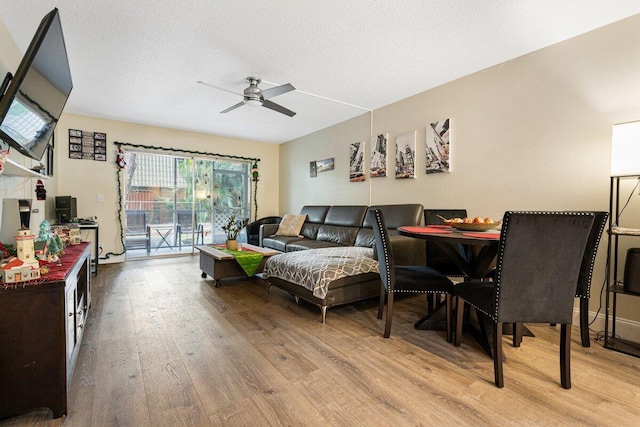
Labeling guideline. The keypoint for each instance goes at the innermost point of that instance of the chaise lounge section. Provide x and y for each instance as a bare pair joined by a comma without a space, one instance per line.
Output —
331,261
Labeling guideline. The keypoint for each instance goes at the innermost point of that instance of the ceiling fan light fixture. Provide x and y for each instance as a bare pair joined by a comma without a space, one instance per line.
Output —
254,102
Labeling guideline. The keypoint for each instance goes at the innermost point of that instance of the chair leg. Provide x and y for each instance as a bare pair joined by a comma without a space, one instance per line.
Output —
565,355
584,322
497,354
449,308
517,334
383,294
387,323
459,320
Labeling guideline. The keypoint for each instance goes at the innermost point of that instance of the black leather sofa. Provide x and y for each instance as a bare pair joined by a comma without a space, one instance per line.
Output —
345,226
331,226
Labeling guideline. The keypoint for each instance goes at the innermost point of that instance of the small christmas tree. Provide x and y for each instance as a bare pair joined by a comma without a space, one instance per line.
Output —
45,231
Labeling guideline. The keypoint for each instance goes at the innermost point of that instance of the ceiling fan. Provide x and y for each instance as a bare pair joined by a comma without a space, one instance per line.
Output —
255,96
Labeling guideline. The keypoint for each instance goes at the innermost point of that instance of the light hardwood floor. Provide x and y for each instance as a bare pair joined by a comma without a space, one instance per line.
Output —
163,347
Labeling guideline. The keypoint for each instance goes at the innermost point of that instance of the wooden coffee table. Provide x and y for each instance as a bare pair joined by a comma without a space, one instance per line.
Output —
221,265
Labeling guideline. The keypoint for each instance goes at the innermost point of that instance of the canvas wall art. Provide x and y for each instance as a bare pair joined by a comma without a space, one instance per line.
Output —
438,147
378,160
356,162
324,165
406,155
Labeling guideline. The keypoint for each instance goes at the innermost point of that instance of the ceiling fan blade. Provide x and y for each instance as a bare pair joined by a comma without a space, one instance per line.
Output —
219,88
275,91
233,107
279,108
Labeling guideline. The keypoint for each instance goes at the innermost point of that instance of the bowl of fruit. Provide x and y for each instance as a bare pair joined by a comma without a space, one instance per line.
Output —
472,224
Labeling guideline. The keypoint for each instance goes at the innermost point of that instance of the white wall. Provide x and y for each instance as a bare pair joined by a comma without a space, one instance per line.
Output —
533,133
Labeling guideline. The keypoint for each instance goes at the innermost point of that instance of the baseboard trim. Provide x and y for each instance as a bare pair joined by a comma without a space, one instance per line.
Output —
625,328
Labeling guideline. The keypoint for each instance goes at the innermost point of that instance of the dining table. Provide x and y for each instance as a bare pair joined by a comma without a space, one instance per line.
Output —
475,254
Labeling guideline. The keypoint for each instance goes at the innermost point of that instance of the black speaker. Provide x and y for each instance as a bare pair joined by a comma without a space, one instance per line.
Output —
632,271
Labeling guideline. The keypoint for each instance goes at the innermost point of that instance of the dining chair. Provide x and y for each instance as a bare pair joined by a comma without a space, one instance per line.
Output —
435,257
583,290
405,279
539,261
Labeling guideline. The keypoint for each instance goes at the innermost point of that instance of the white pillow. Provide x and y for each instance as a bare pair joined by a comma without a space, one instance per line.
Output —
290,225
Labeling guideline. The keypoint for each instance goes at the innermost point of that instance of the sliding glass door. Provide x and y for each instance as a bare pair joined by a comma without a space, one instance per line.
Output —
173,203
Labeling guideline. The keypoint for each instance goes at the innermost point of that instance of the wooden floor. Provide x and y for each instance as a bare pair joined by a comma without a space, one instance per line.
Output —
163,347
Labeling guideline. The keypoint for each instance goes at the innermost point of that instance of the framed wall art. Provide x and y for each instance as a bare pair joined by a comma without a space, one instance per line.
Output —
378,159
87,145
324,165
438,147
356,162
406,155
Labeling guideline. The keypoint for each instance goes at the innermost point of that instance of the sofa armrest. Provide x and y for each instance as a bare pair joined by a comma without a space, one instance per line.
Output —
267,230
408,251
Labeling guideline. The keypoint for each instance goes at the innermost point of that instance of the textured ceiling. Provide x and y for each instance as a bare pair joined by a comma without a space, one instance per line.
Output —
140,60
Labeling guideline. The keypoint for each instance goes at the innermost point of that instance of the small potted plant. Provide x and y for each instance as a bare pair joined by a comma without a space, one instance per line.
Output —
232,228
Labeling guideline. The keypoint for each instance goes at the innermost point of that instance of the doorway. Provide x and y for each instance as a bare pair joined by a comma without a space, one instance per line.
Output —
174,203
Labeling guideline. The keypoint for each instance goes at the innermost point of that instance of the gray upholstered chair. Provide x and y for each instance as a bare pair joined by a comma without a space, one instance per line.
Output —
583,289
537,269
404,279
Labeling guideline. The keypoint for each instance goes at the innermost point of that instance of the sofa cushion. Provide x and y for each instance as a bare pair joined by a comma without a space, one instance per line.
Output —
345,236
346,216
397,215
315,214
365,237
279,243
310,230
305,244
290,225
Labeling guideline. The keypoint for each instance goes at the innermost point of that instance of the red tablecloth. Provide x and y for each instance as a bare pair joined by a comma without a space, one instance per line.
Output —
494,236
427,229
57,272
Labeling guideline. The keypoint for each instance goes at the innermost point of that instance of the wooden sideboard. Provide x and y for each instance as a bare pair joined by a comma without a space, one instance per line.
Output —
41,326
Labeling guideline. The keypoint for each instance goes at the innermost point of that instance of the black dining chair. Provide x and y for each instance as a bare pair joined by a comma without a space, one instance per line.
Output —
405,279
583,290
435,257
538,266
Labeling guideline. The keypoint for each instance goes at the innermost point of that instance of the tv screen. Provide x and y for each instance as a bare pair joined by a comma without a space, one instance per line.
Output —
33,102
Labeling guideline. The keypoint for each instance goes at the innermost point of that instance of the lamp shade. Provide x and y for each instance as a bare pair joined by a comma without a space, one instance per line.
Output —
625,149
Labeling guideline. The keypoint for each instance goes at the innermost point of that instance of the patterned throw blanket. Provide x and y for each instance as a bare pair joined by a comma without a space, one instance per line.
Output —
316,268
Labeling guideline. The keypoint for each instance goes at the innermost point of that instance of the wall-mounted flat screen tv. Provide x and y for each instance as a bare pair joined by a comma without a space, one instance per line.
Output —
38,92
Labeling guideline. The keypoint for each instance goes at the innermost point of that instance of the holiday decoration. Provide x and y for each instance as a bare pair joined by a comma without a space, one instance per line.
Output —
45,231
41,193
120,158
254,171
25,266
74,234
4,154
